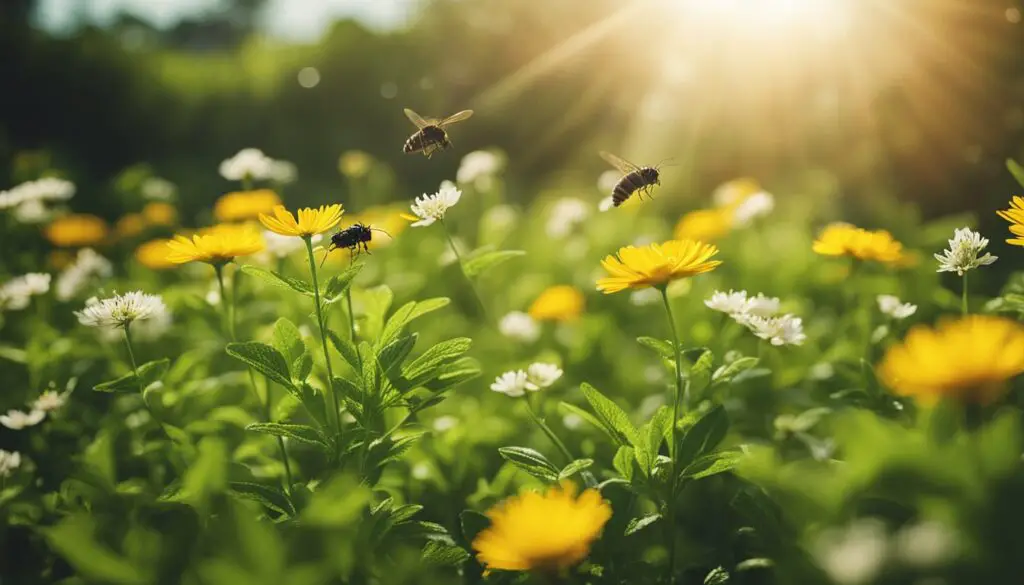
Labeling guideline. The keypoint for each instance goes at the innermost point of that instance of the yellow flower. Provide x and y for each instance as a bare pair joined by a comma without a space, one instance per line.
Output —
77,230
355,163
843,239
1015,215
243,205
160,213
154,254
217,245
558,303
130,225
542,532
311,221
706,225
656,264
968,360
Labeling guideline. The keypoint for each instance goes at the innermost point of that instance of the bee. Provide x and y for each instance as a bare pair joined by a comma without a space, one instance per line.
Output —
431,135
634,180
355,237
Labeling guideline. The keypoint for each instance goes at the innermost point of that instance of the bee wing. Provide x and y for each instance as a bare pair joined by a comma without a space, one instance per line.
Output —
620,163
416,119
456,117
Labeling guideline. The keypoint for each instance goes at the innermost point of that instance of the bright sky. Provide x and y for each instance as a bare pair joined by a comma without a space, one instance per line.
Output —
298,20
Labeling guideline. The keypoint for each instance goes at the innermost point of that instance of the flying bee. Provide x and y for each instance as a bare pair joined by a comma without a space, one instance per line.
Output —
431,136
634,180
355,237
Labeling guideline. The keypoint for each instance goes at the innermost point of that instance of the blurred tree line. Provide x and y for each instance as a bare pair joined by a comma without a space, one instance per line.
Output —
551,82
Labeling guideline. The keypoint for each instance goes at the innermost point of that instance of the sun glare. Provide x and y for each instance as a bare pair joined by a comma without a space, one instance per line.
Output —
766,17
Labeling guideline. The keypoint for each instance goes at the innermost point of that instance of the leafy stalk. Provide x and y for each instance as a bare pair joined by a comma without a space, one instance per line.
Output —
323,337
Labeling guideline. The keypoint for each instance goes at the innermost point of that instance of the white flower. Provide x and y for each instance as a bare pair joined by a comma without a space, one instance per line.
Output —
9,461
511,383
16,293
853,556
963,251
566,213
280,246
757,205
17,420
32,212
607,181
282,171
49,401
540,375
430,208
157,189
519,326
784,330
87,265
925,544
479,168
249,163
762,306
645,296
46,189
121,310
445,423
732,302
893,307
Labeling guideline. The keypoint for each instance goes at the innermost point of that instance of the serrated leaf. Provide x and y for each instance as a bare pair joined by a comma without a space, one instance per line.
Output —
712,464
288,340
638,524
346,348
440,554
623,462
271,497
615,420
1016,170
393,354
302,367
452,374
481,263
530,461
703,436
653,434
428,306
405,315
301,433
149,373
278,280
700,373
574,468
427,363
264,359
717,576
726,373
663,348
338,284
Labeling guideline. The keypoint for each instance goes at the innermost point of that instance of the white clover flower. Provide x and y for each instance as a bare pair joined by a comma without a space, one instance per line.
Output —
757,205
645,296
445,423
121,310
540,375
32,212
732,302
963,251
431,208
565,214
9,461
157,189
853,556
16,293
249,163
479,168
762,306
49,401
893,307
280,246
282,171
17,419
87,265
519,326
784,330
511,383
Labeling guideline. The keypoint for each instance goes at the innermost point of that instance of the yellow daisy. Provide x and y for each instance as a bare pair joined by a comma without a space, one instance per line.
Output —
154,254
705,225
558,303
656,264
1015,215
217,245
243,205
160,213
843,239
311,221
968,360
542,532
77,230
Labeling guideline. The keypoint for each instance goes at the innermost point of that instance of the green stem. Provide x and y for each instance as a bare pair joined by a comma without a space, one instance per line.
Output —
963,299
683,394
323,338
547,431
462,269
131,356
229,321
280,445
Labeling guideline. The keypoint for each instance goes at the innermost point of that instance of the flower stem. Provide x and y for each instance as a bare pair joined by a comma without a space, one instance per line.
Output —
963,298
280,443
323,338
131,355
229,324
547,431
682,394
462,268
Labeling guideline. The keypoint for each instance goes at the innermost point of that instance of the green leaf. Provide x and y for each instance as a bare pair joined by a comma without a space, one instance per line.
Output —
440,554
338,284
428,306
264,359
638,524
727,372
481,263
426,365
149,373
271,497
663,348
313,402
624,462
288,340
1016,170
717,576
652,435
472,523
586,416
278,280
574,468
206,477
301,433
302,367
346,348
452,374
74,539
703,436
530,461
712,464
700,373
393,354
615,420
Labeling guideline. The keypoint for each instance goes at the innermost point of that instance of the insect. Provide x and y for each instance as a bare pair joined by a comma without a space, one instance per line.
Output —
355,237
431,136
635,179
